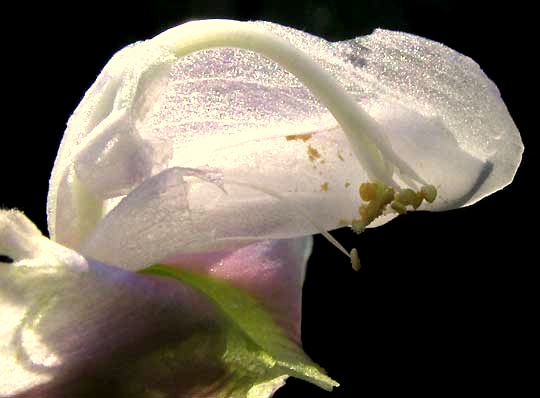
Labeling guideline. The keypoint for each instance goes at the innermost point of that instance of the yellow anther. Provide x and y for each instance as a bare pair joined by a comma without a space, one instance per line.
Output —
398,207
408,197
355,260
379,195
405,196
387,196
359,226
364,212
368,191
429,193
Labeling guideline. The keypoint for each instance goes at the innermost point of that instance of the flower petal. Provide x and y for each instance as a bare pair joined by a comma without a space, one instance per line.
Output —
101,136
66,319
236,111
276,280
174,212
73,327
442,85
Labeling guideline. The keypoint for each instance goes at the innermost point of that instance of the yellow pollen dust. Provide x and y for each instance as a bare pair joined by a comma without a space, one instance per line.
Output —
303,137
324,187
313,153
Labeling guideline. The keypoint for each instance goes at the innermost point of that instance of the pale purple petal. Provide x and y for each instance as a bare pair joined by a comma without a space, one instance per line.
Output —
272,271
231,110
83,327
173,212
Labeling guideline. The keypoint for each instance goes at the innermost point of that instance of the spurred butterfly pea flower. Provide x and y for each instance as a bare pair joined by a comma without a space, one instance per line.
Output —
187,187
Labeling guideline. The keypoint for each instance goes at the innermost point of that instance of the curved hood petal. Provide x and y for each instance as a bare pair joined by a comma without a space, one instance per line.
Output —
235,111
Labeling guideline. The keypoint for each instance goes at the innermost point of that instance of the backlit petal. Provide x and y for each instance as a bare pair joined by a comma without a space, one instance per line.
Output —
76,327
236,112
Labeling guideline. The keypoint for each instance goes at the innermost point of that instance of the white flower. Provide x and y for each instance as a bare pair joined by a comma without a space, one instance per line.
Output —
217,147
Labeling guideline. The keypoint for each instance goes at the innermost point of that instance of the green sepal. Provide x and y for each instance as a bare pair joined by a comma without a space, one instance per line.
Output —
256,346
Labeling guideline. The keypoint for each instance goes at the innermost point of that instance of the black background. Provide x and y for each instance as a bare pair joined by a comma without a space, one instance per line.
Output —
443,302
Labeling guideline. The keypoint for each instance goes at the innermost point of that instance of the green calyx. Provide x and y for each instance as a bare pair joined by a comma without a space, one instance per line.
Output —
257,348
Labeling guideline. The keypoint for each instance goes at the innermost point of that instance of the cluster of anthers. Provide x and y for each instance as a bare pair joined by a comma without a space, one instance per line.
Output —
379,195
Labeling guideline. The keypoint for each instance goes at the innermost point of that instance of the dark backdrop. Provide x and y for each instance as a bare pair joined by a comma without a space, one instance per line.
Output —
441,305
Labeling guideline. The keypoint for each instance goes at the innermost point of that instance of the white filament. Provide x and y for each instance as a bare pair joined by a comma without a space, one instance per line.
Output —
371,149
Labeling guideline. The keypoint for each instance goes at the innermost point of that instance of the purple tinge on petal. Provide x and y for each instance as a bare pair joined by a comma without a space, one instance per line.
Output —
272,271
103,326
121,334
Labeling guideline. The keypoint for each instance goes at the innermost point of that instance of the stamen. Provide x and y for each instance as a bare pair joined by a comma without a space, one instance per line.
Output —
297,207
429,193
408,197
378,196
398,208
355,260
